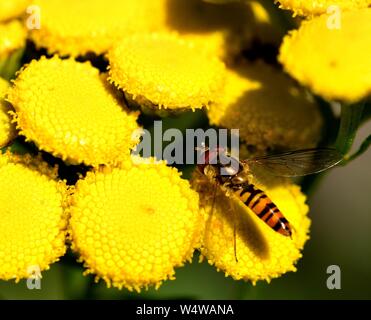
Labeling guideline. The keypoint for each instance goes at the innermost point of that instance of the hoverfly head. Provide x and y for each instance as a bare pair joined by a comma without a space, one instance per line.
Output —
209,156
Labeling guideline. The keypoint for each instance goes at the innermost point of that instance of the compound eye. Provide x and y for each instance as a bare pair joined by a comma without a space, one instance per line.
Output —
238,180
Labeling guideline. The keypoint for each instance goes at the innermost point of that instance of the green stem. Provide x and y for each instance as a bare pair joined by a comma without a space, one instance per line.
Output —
363,148
350,119
9,66
245,291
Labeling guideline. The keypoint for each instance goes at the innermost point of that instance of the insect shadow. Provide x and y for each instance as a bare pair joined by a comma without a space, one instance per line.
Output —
237,217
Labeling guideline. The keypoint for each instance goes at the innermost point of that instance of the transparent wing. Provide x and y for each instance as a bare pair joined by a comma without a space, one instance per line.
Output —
298,163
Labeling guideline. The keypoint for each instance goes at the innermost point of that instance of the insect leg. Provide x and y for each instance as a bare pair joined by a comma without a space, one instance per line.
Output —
210,214
214,198
232,208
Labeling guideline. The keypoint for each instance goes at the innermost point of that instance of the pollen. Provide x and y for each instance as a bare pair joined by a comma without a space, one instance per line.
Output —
12,8
12,37
332,60
133,224
166,71
78,27
261,253
68,109
7,129
318,7
33,216
268,109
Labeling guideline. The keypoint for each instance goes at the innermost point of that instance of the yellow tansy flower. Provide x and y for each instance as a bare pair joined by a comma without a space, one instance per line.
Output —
12,8
333,63
7,129
262,253
12,37
134,224
165,71
268,108
317,7
33,216
78,27
68,109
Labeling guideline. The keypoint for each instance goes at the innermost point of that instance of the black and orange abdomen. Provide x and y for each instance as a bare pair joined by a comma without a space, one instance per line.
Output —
264,208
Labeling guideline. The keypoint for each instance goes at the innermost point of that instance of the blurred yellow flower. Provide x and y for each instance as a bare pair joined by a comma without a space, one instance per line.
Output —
262,253
241,23
33,216
12,8
196,16
317,7
268,108
333,63
68,109
78,27
132,225
12,37
165,71
7,129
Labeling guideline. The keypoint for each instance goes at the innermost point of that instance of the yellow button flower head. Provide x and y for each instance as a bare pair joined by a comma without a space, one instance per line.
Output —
7,129
166,71
262,253
12,37
68,109
134,224
12,8
316,7
33,218
78,27
268,108
333,63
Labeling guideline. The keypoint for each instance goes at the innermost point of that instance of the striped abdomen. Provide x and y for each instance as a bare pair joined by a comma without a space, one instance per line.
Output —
264,208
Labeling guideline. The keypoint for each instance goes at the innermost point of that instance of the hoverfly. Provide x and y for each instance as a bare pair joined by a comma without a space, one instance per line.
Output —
289,164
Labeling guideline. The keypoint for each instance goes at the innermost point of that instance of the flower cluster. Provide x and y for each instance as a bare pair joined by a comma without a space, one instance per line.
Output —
99,62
